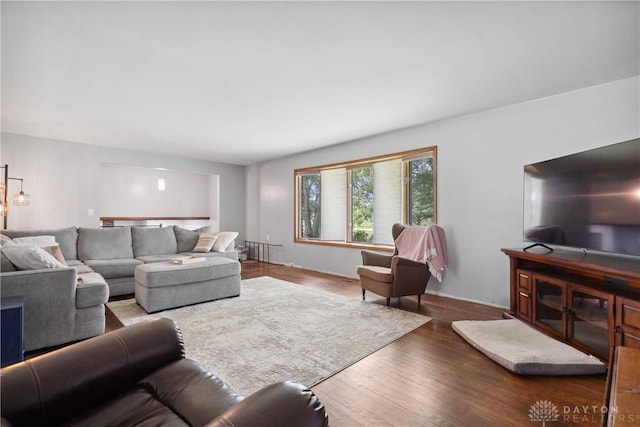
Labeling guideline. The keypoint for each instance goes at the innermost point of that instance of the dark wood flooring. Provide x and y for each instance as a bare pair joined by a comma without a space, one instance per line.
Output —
431,377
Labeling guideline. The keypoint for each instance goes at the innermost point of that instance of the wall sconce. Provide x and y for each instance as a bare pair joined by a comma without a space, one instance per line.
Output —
19,199
3,208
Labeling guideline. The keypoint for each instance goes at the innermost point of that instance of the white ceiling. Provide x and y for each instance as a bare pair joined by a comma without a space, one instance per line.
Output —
243,82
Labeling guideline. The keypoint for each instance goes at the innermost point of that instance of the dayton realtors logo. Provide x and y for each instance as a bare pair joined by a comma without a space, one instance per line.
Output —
543,411
546,411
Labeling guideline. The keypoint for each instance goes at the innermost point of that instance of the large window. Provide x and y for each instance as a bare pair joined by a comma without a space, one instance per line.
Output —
355,203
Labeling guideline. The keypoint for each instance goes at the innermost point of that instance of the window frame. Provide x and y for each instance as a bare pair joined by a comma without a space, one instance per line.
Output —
405,156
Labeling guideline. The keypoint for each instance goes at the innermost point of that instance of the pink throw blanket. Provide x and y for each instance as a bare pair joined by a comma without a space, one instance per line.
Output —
424,244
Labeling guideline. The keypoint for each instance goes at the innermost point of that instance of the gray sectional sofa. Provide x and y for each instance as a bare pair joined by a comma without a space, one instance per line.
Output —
116,252
67,304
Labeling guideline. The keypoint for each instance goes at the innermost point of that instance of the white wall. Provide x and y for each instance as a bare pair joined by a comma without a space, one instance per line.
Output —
480,161
63,179
133,192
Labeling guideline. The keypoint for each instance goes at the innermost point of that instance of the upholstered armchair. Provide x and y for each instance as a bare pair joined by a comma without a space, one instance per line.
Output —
391,275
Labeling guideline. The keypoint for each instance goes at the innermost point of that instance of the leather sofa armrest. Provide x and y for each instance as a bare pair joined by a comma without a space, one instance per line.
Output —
48,389
377,259
284,404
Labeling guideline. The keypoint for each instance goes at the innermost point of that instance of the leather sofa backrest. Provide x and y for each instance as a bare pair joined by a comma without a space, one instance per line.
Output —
44,390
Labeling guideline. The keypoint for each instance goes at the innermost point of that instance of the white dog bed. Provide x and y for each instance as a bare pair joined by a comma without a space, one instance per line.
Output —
524,350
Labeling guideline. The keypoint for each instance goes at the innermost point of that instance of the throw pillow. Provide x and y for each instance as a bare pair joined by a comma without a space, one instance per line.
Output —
187,239
224,239
30,257
4,240
5,264
205,242
55,252
36,240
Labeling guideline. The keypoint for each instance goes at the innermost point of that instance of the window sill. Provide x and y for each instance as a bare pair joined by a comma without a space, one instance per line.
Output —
371,247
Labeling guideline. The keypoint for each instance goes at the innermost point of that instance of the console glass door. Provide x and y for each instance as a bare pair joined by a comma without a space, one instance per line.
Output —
589,326
550,306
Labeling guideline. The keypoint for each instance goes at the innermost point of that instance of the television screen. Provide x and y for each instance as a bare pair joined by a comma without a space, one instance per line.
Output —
589,200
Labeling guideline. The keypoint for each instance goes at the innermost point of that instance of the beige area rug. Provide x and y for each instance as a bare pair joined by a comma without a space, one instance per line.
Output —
276,330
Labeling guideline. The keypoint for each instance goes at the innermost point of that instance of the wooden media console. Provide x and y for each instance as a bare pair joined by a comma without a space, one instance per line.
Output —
587,300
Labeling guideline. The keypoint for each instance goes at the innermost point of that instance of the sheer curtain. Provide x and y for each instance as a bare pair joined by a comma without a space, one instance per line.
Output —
333,202
387,199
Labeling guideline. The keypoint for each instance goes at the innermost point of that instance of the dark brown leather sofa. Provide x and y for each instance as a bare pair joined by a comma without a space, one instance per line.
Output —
136,376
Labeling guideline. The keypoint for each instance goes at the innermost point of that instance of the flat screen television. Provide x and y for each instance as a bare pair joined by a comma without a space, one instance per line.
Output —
588,200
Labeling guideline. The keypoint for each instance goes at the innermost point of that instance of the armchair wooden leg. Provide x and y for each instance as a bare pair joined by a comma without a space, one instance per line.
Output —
419,297
363,295
388,301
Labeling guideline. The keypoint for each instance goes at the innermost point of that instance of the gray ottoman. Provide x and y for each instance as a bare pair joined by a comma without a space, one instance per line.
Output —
162,285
